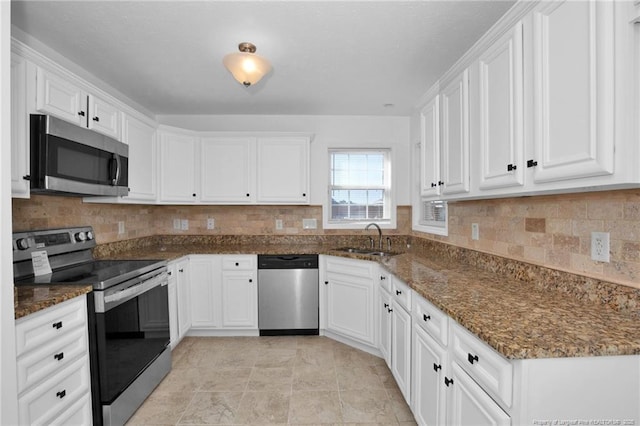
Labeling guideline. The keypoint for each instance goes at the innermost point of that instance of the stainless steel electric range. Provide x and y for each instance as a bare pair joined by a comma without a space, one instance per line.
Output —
128,315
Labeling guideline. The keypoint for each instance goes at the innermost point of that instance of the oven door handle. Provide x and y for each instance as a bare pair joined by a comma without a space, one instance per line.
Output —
106,300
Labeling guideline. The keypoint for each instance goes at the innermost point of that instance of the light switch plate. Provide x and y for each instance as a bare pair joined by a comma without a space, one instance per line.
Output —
121,227
279,224
211,223
309,224
184,224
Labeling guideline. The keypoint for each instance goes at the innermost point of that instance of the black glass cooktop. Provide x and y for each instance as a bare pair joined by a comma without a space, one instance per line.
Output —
99,273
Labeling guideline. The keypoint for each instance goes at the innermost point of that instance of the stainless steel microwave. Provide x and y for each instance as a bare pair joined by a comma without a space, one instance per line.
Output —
70,160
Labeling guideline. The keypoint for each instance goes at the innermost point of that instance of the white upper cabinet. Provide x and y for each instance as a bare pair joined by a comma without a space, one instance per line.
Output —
552,106
20,184
178,172
430,148
103,117
500,131
228,170
455,135
141,139
573,90
58,96
283,170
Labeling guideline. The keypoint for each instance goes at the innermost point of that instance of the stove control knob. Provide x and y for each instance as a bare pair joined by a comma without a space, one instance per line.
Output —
80,236
89,235
22,243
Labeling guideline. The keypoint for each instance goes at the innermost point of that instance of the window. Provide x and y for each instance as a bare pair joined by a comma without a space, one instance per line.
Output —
431,217
359,188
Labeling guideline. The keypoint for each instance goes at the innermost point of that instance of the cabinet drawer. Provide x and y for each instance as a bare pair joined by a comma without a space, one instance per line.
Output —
385,280
51,398
37,329
78,414
238,263
356,268
401,293
41,363
492,371
431,319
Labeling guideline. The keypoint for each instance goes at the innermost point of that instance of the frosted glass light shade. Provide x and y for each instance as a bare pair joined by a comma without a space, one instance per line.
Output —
247,68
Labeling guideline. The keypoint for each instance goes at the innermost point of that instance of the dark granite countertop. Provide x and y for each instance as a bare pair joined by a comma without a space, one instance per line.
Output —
514,317
33,298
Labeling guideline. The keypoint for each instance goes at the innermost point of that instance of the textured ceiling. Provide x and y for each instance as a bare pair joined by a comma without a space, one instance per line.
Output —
328,57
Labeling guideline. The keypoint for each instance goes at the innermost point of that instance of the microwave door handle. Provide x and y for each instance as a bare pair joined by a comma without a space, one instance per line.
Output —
116,179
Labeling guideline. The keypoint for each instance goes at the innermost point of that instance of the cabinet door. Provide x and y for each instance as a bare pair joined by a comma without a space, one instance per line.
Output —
401,349
228,170
19,129
501,111
469,404
573,90
239,299
184,297
205,300
283,170
350,303
103,117
384,320
430,148
141,139
178,155
173,306
429,362
58,97
455,135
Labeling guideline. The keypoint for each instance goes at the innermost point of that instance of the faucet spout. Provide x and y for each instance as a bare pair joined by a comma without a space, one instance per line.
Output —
379,233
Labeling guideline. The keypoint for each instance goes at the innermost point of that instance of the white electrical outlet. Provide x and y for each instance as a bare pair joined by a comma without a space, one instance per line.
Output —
120,227
211,223
184,224
279,224
176,223
600,246
309,223
475,231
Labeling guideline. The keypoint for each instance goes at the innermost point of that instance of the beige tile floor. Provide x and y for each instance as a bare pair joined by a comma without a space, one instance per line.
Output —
274,380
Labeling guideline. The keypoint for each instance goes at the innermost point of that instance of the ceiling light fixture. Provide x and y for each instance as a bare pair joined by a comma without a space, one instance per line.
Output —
246,67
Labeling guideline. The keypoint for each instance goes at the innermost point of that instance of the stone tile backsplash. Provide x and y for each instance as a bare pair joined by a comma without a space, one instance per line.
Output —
554,231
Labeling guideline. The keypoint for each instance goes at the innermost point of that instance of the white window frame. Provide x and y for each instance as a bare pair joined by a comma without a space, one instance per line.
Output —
390,194
429,227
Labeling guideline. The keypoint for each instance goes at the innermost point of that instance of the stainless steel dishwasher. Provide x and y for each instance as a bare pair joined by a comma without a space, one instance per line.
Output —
288,294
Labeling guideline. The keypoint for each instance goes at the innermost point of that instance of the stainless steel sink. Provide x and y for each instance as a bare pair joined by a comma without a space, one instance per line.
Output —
368,252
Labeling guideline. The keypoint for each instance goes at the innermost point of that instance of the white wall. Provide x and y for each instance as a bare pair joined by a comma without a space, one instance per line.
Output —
330,132
8,387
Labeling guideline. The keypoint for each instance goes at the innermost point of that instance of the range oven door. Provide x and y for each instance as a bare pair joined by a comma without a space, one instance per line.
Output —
132,330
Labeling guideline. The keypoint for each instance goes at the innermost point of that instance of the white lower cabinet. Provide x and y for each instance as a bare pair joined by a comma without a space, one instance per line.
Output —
224,293
384,324
239,299
469,404
172,287
350,295
54,385
401,336
205,301
183,284
429,361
